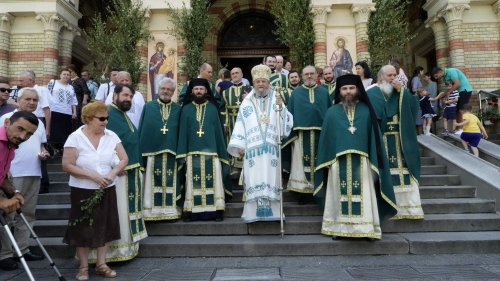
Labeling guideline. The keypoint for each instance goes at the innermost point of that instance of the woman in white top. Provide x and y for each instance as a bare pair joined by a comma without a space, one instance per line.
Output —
364,73
63,104
93,156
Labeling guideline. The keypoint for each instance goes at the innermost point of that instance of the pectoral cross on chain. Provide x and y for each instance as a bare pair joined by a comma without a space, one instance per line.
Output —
164,130
200,133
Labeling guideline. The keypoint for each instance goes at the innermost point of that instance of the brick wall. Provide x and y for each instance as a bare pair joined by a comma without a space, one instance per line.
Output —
482,54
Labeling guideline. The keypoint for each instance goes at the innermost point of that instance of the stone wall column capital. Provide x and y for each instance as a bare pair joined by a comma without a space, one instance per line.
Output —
454,12
6,22
362,12
51,21
496,8
320,14
70,32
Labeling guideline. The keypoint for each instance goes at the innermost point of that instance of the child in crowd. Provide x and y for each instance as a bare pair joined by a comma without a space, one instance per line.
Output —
450,111
426,108
473,129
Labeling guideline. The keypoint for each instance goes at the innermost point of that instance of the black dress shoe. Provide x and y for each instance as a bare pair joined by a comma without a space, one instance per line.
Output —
8,264
29,256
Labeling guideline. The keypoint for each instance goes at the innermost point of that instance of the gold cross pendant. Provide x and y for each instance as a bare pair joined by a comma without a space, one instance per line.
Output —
200,133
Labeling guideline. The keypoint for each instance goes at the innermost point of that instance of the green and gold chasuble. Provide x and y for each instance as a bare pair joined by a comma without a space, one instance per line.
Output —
308,107
279,80
203,147
357,193
396,116
331,90
158,144
231,100
128,191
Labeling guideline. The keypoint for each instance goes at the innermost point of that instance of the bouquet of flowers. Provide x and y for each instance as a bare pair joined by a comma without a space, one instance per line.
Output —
489,114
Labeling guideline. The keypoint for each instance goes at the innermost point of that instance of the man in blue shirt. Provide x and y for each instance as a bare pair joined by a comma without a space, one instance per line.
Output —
459,82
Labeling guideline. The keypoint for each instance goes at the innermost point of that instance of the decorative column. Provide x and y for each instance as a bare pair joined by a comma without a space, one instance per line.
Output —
52,25
496,9
319,22
361,16
453,17
441,40
66,45
5,24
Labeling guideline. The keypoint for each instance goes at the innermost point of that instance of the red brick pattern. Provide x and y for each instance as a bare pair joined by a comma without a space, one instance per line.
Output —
319,47
361,46
4,54
442,53
475,46
34,55
482,72
456,44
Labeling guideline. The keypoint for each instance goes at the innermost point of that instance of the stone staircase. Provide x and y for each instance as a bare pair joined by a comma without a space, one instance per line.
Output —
456,221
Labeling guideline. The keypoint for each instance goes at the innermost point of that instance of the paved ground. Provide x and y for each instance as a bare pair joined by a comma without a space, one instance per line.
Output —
398,267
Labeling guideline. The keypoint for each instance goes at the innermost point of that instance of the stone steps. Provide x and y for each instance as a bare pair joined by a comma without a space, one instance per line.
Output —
299,225
303,245
430,206
455,222
426,192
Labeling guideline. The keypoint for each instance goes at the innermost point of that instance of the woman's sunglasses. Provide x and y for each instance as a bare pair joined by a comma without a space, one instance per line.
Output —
102,119
5,90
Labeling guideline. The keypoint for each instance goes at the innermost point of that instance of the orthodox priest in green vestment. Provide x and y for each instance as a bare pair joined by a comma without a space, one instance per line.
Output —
308,105
128,186
231,101
353,180
202,149
158,142
396,111
329,82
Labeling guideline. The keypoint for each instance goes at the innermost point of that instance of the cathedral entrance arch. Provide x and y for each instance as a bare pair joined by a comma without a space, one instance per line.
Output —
246,38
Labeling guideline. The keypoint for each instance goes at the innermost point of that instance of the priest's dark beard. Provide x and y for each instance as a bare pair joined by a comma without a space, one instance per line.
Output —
200,99
348,103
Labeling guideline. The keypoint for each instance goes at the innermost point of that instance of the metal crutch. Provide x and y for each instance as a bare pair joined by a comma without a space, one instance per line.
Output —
280,183
34,236
5,225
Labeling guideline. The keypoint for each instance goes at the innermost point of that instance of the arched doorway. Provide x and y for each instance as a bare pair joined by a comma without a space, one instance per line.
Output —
246,38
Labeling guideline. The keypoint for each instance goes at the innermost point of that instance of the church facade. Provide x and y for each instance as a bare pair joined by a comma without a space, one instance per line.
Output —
43,35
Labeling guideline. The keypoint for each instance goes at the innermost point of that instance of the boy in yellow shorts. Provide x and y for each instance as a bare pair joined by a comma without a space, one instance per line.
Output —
473,129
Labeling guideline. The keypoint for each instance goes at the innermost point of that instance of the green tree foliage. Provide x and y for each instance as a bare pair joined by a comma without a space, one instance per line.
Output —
295,29
388,31
113,42
192,26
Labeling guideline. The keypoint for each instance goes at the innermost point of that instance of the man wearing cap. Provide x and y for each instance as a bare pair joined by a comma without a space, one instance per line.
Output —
158,143
353,180
255,138
202,149
396,109
308,105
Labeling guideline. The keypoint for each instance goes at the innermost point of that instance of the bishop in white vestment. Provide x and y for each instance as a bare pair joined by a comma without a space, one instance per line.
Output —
256,138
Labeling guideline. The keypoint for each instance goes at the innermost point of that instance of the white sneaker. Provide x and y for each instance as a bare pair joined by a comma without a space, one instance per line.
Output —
459,132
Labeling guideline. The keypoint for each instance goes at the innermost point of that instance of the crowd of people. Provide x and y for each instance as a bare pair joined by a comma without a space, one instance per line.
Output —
347,142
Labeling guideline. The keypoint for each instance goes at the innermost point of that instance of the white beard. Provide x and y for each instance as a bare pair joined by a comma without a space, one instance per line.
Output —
386,87
261,92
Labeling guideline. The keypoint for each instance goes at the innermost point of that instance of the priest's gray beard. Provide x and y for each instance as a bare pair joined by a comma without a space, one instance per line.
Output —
309,84
386,88
261,92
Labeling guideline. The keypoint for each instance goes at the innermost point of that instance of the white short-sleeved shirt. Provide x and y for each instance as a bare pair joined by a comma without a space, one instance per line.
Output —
104,91
43,100
135,111
26,162
88,158
62,97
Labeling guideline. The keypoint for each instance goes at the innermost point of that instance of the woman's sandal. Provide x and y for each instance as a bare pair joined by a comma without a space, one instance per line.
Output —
105,271
83,274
